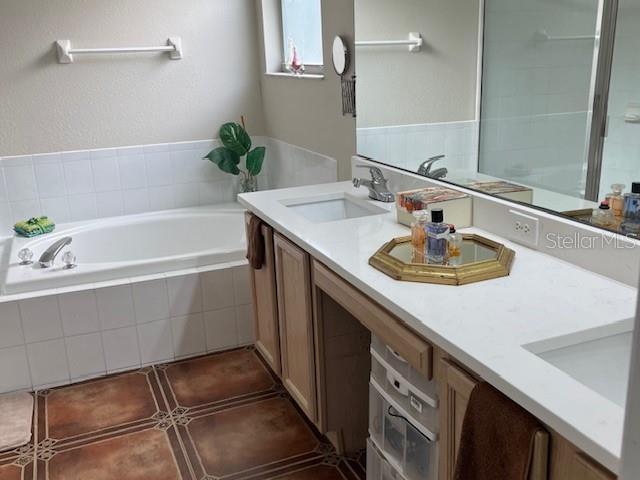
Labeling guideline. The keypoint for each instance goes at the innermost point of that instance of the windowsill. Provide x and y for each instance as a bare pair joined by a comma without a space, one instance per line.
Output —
304,76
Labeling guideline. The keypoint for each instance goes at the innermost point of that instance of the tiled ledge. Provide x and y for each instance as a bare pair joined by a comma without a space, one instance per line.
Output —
87,184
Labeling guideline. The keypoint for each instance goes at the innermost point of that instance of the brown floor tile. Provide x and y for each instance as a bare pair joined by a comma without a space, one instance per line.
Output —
99,404
139,456
217,377
10,472
246,437
319,472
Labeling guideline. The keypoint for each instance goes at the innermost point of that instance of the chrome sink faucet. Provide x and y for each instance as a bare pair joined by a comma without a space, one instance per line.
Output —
425,168
50,254
377,186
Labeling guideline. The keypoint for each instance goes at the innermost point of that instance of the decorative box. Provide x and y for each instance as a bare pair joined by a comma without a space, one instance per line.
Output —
457,206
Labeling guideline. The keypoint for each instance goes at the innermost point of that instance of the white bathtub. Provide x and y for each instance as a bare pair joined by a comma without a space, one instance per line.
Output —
130,246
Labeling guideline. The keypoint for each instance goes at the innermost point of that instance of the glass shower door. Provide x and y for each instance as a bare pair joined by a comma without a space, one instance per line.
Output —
539,65
621,153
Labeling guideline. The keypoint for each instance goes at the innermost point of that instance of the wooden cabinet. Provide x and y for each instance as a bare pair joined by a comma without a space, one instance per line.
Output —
263,286
586,469
455,389
293,283
313,327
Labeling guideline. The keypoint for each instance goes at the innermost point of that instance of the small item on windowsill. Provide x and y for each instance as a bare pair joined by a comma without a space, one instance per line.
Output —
616,200
603,216
418,235
34,226
456,205
294,64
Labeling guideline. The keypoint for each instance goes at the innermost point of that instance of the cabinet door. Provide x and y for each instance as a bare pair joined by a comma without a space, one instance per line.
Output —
263,285
455,390
293,279
586,469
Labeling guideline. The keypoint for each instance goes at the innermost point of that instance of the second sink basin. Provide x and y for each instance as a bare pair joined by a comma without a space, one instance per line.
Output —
598,359
332,207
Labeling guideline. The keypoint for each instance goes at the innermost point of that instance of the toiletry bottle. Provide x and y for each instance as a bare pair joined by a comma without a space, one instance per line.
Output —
603,216
631,222
418,235
455,246
437,237
616,200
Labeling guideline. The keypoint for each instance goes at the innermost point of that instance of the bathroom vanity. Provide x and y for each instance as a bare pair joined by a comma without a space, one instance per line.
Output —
318,303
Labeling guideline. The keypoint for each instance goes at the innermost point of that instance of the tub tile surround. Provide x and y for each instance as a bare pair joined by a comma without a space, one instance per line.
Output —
89,184
78,333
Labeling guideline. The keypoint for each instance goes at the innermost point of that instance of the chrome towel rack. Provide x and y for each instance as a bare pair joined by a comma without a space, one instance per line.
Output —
66,52
414,42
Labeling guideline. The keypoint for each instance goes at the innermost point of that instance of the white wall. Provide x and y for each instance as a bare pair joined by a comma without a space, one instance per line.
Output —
436,85
308,113
118,101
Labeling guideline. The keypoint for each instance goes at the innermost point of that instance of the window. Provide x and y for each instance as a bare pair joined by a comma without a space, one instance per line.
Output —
302,27
293,22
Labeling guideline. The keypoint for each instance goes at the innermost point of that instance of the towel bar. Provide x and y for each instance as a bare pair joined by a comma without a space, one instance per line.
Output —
66,52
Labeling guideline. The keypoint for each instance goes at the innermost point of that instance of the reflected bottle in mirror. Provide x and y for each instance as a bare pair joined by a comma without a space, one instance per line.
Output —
631,224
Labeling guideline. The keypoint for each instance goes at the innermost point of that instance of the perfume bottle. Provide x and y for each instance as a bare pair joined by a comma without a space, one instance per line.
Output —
418,235
603,216
616,200
455,246
631,222
437,237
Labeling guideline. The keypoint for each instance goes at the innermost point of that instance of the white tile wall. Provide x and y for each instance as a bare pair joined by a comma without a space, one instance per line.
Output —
407,146
156,342
83,185
72,336
188,335
535,94
121,350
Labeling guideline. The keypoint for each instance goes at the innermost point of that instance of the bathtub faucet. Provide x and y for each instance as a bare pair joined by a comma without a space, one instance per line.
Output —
50,254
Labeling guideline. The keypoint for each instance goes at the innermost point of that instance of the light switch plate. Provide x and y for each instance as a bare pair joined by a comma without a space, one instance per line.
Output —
524,228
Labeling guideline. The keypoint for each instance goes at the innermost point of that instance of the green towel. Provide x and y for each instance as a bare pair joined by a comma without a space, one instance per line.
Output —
34,227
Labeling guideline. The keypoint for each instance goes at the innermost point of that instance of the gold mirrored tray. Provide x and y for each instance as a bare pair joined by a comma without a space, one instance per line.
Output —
480,259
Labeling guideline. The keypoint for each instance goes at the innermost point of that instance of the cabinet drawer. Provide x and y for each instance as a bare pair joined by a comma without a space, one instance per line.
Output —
417,352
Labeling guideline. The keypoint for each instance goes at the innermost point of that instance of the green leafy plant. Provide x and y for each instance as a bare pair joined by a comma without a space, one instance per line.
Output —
237,144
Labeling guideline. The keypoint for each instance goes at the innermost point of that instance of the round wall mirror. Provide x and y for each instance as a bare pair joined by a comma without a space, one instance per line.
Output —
340,56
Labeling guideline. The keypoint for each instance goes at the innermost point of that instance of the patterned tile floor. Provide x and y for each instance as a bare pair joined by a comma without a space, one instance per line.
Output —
221,416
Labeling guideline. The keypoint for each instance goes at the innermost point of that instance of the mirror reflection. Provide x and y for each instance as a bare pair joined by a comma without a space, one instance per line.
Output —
537,101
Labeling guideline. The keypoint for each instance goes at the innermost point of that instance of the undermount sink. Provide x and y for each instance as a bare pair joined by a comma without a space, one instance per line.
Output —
599,359
332,207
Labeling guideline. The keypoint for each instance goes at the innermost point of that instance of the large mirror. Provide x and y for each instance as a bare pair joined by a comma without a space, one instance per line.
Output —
534,100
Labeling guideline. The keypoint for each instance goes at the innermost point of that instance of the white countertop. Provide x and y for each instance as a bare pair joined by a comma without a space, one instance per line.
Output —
483,325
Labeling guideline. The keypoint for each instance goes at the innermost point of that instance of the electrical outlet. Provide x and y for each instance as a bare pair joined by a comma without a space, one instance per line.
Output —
524,228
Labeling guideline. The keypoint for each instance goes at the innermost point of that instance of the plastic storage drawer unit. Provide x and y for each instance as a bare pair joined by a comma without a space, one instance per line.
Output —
392,360
410,448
